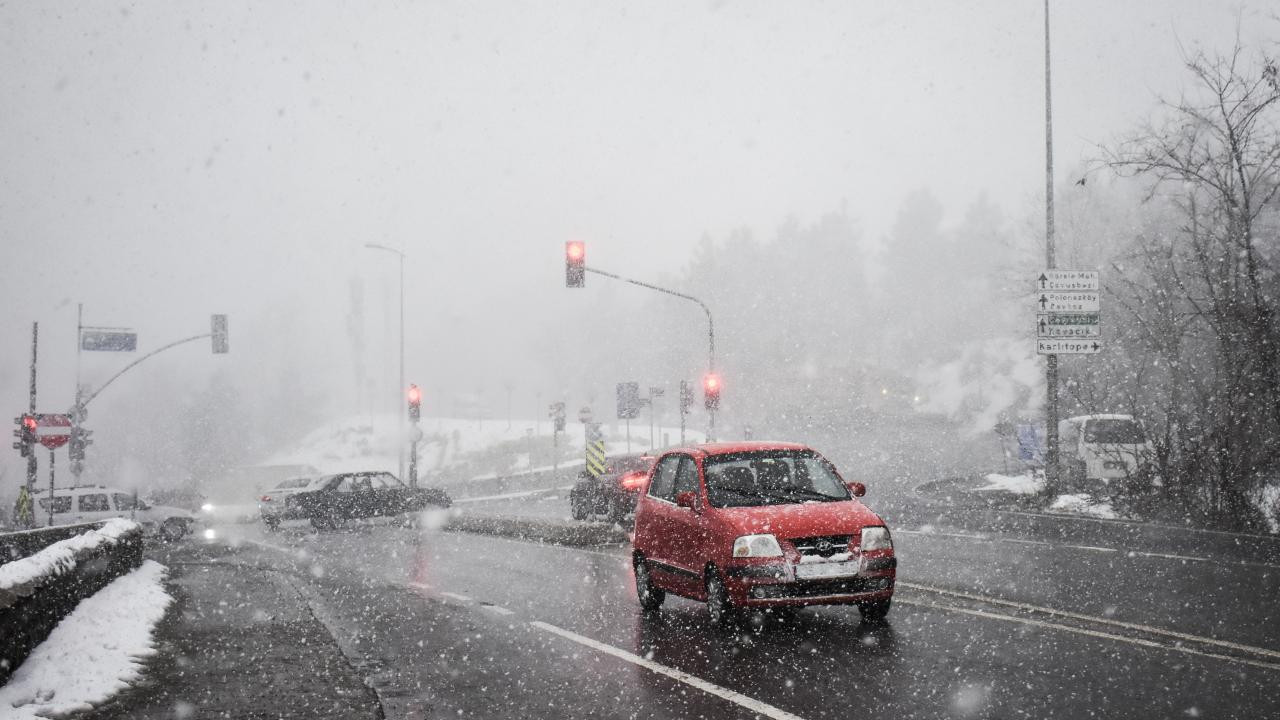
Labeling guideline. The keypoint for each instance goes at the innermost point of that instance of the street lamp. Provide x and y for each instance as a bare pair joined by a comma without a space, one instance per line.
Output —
401,388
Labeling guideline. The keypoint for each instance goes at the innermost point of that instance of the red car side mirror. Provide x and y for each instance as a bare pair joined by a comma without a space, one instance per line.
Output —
687,499
856,488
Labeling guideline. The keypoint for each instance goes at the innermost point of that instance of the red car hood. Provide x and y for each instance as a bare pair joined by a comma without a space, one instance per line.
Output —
801,519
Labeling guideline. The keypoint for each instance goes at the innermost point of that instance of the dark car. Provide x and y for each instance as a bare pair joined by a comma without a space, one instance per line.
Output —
349,496
614,493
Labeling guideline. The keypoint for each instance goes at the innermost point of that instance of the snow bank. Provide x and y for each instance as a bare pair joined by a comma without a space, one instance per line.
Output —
94,652
60,556
1016,484
1083,505
1270,506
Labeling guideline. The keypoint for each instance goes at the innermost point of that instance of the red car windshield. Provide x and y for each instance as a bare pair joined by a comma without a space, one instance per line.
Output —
771,478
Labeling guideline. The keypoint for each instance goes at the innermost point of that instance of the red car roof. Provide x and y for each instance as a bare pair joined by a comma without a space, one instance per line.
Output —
723,448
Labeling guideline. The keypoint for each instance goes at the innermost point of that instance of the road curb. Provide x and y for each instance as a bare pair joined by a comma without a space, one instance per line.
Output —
555,533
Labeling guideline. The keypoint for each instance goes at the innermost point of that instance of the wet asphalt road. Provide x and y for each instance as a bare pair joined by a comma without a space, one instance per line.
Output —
453,624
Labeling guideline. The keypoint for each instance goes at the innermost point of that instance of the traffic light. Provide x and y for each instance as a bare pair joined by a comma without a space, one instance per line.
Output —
575,264
557,416
26,434
711,391
79,441
686,397
415,403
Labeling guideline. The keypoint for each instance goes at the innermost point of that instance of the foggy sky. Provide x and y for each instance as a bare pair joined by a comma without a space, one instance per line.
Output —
163,161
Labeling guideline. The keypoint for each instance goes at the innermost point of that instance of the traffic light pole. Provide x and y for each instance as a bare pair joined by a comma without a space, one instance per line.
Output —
711,331
31,454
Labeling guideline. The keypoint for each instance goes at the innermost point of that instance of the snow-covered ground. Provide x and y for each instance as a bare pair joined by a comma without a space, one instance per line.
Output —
1017,484
363,443
1083,505
94,653
60,556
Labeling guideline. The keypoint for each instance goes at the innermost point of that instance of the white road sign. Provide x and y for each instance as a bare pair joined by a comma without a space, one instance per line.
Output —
1062,346
1068,280
1068,325
1068,302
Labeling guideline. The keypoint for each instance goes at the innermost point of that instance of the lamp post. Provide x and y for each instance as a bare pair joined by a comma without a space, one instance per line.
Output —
401,389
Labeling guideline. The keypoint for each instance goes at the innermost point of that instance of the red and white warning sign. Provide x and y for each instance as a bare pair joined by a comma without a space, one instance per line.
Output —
53,430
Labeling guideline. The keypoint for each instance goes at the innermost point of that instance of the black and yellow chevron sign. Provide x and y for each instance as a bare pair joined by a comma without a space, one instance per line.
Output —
595,451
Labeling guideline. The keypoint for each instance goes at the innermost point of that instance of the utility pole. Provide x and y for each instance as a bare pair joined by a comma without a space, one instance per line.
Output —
1051,361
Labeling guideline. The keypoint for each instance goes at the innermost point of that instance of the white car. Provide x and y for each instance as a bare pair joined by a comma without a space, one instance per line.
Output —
91,503
272,506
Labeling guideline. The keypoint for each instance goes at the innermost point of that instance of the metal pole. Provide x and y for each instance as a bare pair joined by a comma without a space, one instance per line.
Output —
50,488
126,368
77,466
711,331
651,420
402,385
1051,361
31,456
628,435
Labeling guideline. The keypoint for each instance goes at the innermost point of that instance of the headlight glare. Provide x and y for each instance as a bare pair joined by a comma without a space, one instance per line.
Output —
876,538
757,546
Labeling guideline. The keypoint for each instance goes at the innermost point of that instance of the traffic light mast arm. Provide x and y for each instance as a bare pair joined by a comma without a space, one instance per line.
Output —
126,368
711,326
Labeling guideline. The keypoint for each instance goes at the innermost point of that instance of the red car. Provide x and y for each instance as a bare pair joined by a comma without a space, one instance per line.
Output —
759,525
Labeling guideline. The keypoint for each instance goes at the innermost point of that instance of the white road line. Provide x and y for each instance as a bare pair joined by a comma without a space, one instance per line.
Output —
1092,548
455,596
419,586
737,698
1131,553
1091,633
1091,618
498,610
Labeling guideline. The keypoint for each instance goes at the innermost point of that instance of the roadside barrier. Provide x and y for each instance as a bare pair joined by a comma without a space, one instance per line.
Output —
42,585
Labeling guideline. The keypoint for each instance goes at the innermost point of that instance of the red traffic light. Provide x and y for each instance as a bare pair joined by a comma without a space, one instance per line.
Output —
29,423
415,403
575,269
711,391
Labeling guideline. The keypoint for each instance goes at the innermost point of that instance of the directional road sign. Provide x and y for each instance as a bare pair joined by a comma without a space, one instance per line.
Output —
53,430
1068,325
1069,302
1069,280
1063,346
108,340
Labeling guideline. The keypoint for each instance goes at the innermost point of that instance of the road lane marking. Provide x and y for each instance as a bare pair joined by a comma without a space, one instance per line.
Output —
419,586
1094,619
455,596
1129,553
1091,633
756,706
497,609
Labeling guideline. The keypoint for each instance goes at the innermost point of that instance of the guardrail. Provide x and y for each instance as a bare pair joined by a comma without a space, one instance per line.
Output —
42,586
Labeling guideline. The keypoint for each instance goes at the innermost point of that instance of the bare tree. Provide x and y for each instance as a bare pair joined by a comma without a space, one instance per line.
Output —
1202,292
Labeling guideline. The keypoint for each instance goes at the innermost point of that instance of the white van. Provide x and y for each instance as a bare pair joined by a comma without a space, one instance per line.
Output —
1103,447
91,503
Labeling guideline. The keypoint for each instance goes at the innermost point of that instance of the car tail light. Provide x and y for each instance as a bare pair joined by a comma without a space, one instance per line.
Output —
633,481
266,498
